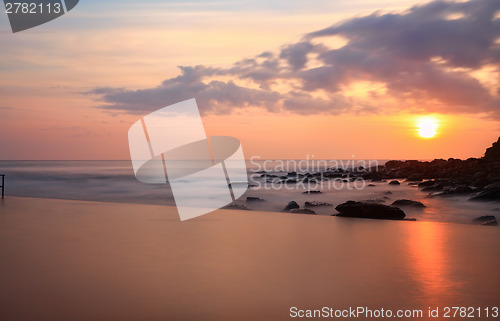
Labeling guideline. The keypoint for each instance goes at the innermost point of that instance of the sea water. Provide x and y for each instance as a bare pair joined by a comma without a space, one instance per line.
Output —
114,181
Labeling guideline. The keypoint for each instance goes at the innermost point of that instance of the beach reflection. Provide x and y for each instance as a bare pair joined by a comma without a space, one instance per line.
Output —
430,265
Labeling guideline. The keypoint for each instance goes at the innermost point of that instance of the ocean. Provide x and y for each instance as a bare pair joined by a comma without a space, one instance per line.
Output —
114,181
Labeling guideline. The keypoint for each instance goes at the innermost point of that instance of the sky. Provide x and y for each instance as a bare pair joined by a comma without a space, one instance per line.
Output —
290,79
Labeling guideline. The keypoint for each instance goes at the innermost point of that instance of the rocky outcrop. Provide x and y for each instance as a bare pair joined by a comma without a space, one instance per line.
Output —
487,220
475,173
489,193
369,210
290,206
408,203
302,211
493,153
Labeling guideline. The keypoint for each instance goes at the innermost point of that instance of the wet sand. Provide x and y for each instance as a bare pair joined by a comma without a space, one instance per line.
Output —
75,260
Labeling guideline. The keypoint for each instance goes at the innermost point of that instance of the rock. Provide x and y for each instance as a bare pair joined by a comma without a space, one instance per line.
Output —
254,199
394,182
489,193
371,185
453,190
387,192
427,183
459,189
393,164
302,211
369,210
316,203
493,152
312,192
236,207
414,177
290,206
487,220
268,176
409,203
433,188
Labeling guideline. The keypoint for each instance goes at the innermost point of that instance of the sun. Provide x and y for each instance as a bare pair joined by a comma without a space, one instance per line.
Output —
427,126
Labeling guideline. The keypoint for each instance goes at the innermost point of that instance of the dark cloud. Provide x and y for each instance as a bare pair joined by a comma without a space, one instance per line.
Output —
424,54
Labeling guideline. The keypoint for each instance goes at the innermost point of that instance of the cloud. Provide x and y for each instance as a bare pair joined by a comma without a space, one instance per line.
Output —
424,59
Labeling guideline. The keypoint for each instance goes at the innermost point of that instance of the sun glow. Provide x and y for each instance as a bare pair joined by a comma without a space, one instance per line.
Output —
427,126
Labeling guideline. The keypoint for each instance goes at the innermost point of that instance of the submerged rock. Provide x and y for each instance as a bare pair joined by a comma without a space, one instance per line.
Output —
236,207
409,203
433,188
302,211
312,192
489,193
369,210
254,199
427,183
290,206
316,203
487,220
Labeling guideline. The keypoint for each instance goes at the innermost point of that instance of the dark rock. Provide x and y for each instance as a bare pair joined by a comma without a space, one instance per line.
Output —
487,220
312,192
316,203
459,189
371,185
368,210
490,193
393,164
290,206
387,192
433,188
414,177
254,199
453,190
493,152
427,183
268,176
236,207
409,203
302,211
394,183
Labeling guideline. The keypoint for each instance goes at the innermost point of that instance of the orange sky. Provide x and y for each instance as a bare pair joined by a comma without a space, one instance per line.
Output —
47,72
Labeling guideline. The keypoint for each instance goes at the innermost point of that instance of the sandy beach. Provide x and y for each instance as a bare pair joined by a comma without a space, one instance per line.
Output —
75,260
